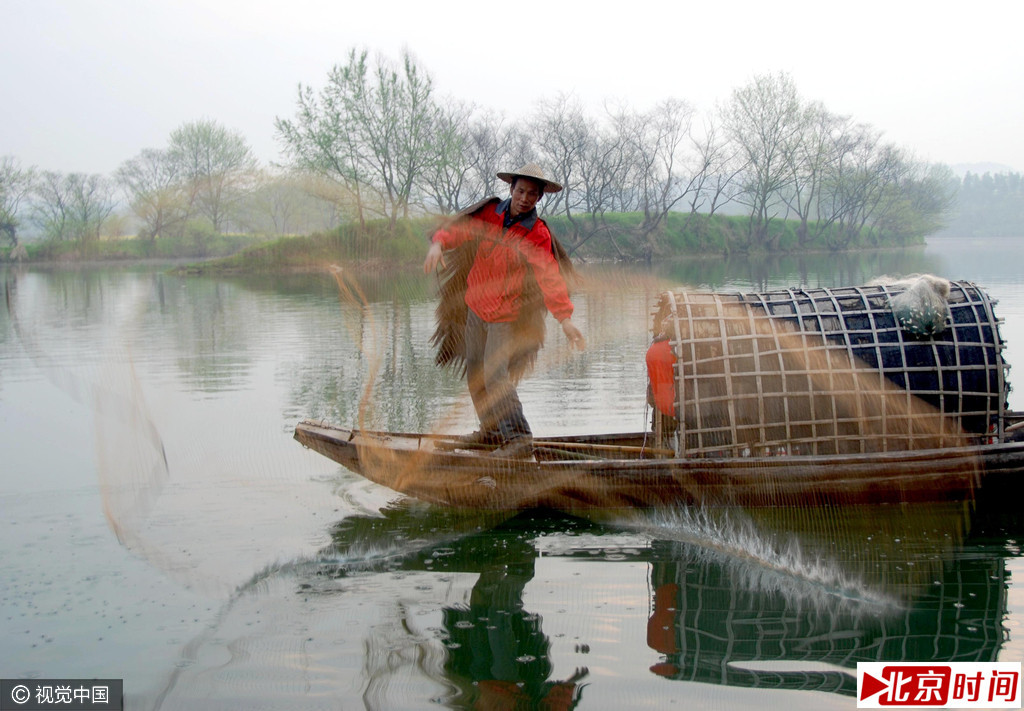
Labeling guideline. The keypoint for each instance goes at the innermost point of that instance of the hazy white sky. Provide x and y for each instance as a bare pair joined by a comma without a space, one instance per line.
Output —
87,84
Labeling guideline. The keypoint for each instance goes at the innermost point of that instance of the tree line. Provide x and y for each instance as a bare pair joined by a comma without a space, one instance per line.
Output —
377,142
379,132
988,205
205,181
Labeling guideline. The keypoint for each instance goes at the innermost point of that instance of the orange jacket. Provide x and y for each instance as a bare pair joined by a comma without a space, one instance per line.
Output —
661,363
495,282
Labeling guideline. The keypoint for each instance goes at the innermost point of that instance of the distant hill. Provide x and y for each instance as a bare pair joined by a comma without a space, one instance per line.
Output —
962,169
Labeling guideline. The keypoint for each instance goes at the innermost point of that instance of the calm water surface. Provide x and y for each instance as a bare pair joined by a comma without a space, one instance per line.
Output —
161,526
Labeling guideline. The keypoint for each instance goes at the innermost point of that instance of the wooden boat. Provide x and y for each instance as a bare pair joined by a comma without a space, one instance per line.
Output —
578,473
796,397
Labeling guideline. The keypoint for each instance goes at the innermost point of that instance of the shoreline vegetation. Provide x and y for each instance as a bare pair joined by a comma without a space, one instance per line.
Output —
380,246
374,157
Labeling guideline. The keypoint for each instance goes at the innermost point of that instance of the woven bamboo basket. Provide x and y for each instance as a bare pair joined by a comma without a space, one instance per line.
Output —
832,371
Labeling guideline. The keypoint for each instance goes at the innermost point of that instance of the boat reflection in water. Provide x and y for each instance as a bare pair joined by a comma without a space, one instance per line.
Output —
874,585
792,599
417,606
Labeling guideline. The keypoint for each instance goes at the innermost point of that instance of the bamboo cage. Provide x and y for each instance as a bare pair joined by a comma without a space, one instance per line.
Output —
832,370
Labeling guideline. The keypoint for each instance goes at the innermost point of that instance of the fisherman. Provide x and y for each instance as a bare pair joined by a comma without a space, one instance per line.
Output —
513,245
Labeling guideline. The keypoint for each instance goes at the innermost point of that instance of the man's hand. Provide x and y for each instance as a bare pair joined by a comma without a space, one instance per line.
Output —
574,335
434,255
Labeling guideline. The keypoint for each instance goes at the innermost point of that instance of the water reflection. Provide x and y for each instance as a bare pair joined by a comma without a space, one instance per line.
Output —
615,614
791,599
496,652
906,593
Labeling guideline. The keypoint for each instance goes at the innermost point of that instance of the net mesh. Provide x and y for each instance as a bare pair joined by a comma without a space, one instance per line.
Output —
834,370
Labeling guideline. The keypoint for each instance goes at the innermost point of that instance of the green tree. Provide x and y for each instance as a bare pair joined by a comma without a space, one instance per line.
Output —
216,166
919,203
15,185
370,129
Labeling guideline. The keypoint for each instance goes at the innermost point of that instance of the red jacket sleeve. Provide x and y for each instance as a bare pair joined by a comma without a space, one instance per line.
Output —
452,237
537,250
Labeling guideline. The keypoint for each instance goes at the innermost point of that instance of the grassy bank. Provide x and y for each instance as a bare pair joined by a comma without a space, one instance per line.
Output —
376,245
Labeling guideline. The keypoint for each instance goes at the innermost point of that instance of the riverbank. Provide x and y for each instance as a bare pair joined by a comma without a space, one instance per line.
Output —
379,246
128,250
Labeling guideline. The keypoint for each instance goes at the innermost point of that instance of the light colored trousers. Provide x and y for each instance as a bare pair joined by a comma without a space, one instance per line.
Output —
489,348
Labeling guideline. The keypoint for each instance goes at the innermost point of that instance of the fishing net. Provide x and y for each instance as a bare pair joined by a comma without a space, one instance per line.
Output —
904,365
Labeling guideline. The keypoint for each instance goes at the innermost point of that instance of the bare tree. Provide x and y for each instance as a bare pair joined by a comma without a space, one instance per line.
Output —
446,178
765,120
331,201
152,183
72,207
285,202
490,144
893,169
811,162
715,169
521,148
560,130
274,205
91,201
651,142
867,185
51,208
850,146
601,170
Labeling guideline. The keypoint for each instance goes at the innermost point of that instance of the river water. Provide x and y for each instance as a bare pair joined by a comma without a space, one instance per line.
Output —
162,527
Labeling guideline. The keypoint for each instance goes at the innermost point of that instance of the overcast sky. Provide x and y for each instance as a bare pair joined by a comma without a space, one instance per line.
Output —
87,84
